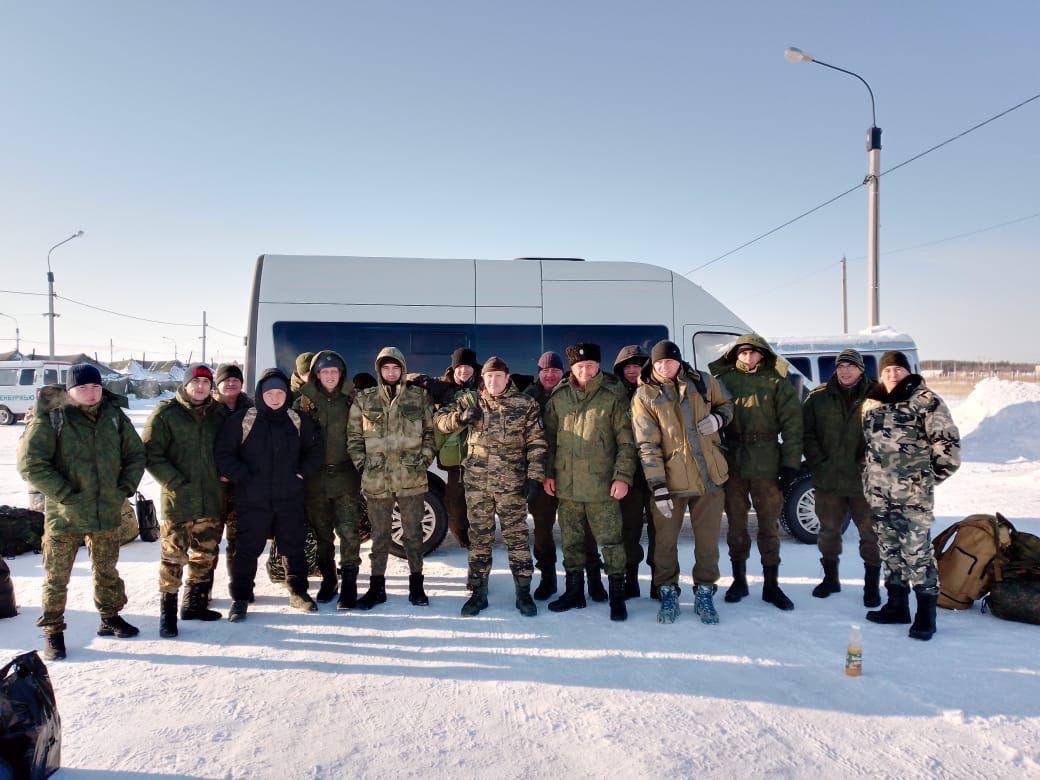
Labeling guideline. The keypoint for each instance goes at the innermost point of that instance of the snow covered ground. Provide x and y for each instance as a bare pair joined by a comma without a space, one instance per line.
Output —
404,691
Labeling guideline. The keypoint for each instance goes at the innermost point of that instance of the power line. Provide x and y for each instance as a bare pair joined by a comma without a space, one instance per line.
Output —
144,319
896,167
860,258
23,292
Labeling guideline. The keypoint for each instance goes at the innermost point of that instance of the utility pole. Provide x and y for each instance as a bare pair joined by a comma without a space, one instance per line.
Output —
203,336
50,290
111,353
844,298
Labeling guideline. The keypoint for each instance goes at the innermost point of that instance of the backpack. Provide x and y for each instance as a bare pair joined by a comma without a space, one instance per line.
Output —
967,565
1016,593
30,727
453,448
250,419
8,607
21,531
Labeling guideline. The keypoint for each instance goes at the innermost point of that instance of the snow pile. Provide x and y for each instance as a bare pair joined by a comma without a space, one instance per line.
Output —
1000,421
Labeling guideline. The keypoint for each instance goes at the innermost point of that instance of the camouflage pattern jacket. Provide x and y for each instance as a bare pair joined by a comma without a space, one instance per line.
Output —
664,419
766,406
589,433
833,437
330,411
506,446
87,470
912,446
390,437
178,440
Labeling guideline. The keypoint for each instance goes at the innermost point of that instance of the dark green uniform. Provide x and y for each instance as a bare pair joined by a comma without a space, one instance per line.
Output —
86,462
334,493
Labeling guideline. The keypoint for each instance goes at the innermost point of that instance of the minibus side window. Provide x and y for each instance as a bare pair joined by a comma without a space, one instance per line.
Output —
50,376
27,377
804,366
8,376
709,346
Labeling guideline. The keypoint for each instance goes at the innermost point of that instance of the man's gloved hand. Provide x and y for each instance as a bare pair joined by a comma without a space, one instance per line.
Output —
787,477
420,380
532,490
663,499
709,424
470,415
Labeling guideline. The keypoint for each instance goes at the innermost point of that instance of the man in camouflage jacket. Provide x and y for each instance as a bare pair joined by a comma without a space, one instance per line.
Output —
390,441
912,446
505,463
592,462
83,454
765,407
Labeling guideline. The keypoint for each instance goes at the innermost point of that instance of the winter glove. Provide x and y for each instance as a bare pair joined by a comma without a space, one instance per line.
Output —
787,477
663,500
533,489
470,415
709,424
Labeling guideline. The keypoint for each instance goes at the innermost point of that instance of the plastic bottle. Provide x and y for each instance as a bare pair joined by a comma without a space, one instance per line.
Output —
854,653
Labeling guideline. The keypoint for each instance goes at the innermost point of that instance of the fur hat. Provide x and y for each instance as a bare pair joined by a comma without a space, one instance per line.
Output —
576,353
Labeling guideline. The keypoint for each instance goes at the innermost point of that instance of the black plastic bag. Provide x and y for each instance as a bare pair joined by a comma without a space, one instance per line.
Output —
30,727
147,522
8,607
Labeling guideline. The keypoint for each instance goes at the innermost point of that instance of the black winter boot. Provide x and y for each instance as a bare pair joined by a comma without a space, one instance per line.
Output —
206,591
548,585
596,590
167,615
376,593
238,610
831,583
924,621
771,593
739,588
618,611
632,582
573,594
327,591
348,588
871,594
655,592
54,646
416,595
193,605
896,609
478,595
524,602
116,626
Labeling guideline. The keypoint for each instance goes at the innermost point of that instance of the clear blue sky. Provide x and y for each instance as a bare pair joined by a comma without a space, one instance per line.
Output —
188,138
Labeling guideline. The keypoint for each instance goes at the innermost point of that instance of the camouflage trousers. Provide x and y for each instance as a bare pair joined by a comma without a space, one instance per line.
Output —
604,518
59,555
380,517
831,509
512,515
905,542
455,503
339,516
543,511
768,500
192,543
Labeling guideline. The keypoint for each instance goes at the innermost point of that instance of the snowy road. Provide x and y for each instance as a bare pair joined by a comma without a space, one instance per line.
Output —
404,691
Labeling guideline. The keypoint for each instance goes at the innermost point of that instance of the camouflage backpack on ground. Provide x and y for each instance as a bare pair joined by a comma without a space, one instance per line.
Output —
966,564
1015,594
21,531
276,564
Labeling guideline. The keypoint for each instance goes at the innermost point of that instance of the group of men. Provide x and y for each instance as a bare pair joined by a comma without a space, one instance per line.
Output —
603,453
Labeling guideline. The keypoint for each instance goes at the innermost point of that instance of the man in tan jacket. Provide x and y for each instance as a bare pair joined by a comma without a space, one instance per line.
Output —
677,413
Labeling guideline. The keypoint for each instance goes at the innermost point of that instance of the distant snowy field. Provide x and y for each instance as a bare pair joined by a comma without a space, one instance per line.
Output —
403,691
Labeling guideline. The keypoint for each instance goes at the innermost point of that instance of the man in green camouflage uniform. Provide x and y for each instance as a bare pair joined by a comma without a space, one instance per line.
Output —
834,452
912,446
334,493
178,440
83,454
505,463
390,441
766,406
591,464
228,399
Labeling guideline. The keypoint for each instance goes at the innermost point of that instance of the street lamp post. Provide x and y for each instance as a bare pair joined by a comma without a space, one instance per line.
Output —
872,181
50,289
17,333
172,341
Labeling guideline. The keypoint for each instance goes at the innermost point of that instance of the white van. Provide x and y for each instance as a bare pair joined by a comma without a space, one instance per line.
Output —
515,309
816,357
19,380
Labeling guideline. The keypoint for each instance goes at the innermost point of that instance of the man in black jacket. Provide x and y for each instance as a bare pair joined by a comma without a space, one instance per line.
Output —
267,452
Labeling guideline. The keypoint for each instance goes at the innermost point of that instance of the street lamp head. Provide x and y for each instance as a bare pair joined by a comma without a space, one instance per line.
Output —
79,233
794,54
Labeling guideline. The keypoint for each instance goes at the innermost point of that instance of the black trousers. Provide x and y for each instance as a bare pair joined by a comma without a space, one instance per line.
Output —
287,524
